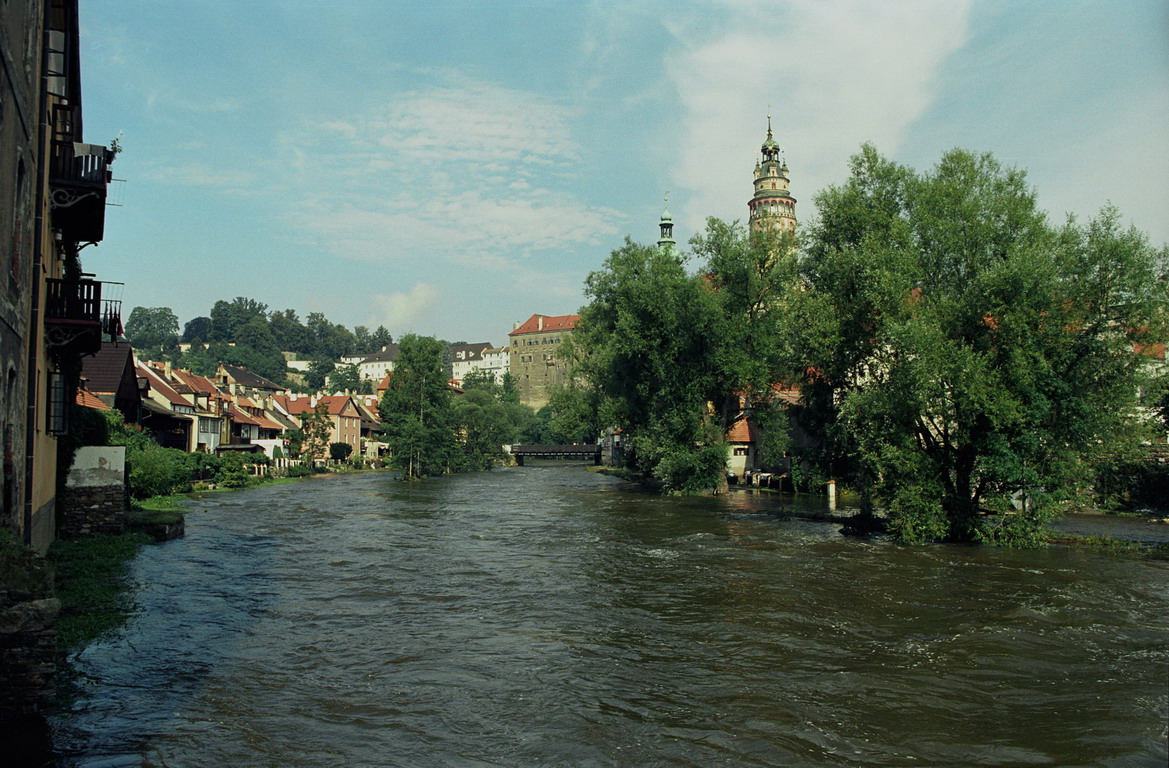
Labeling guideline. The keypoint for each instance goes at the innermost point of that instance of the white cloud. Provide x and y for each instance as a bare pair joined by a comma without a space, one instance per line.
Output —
833,74
400,310
470,174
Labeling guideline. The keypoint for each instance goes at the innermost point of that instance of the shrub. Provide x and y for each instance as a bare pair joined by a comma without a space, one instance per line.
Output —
158,471
340,451
300,470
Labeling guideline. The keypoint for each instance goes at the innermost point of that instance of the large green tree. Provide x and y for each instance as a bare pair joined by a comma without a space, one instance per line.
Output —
152,330
416,410
647,344
962,352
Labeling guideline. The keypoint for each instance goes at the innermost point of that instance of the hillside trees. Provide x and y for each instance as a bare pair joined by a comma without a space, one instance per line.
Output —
964,351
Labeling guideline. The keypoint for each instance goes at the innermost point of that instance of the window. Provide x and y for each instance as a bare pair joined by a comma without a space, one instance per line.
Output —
58,412
740,451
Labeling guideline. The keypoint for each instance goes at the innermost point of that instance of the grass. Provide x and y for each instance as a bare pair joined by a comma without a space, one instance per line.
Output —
90,582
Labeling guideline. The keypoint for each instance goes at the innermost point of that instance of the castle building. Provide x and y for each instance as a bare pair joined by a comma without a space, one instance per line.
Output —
772,205
535,358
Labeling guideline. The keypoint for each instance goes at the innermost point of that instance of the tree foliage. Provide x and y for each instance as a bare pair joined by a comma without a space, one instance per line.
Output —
152,330
416,410
964,352
315,431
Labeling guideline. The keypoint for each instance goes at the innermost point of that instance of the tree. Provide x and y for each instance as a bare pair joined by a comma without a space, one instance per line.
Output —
416,410
318,374
345,378
315,430
228,317
329,339
196,329
963,352
647,343
340,451
257,350
484,427
381,338
152,330
291,335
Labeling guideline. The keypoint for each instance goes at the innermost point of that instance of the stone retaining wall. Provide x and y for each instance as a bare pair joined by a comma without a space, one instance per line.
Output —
94,501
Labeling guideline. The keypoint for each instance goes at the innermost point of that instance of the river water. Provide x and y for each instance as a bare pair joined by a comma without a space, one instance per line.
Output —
549,616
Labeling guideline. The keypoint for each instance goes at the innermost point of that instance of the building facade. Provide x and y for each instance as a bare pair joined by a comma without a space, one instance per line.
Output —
53,189
535,356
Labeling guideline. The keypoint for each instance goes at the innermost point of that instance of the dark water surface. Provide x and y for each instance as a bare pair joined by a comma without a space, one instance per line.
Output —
551,616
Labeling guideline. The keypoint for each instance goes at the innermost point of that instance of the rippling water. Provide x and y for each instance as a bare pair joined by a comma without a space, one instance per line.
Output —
555,617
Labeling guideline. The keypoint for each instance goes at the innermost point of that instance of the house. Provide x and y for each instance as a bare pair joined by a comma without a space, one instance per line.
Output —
377,366
535,359
170,418
344,415
240,381
466,358
498,361
111,375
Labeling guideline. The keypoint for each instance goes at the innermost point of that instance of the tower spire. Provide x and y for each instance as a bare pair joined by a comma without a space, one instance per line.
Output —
666,224
772,205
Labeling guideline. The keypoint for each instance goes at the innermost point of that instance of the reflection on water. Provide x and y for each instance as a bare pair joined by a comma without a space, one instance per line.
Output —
541,616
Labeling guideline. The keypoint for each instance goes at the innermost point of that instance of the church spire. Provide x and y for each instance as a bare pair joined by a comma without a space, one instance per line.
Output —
666,224
772,205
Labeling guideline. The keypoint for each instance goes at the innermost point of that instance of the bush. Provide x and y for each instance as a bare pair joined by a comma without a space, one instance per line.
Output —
300,470
157,471
340,451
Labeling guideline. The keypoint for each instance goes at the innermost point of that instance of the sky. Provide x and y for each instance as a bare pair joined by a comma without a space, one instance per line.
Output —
450,168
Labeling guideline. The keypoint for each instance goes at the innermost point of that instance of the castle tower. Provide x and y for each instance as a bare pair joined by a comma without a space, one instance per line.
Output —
772,205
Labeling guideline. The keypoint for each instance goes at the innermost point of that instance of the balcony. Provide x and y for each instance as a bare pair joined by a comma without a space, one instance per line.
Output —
79,177
77,317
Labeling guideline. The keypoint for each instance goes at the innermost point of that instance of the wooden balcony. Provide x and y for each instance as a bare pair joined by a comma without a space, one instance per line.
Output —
79,178
77,318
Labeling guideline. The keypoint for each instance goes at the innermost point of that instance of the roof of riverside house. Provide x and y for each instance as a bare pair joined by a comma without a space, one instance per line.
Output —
200,385
104,370
546,323
742,431
87,399
239,417
248,379
162,387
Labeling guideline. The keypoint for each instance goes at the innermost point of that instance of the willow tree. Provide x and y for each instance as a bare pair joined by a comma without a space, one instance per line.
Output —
965,353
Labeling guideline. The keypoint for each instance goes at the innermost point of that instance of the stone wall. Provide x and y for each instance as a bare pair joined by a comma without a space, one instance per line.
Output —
94,501
28,641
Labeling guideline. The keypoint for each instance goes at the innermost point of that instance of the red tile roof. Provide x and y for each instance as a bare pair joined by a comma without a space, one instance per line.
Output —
742,431
87,399
545,323
239,417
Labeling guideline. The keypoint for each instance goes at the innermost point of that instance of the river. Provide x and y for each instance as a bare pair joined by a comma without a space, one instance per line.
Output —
550,616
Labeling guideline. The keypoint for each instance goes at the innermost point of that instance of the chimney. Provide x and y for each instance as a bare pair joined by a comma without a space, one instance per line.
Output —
539,322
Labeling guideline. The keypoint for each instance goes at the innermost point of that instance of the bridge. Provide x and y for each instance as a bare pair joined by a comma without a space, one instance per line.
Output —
584,452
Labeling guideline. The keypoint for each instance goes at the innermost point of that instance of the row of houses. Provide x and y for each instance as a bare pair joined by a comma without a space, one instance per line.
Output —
234,410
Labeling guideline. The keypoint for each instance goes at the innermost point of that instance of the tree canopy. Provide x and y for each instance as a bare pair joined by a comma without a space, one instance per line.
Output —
416,410
963,352
152,330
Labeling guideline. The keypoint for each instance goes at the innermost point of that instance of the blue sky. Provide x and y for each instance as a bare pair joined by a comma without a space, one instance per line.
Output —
450,168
